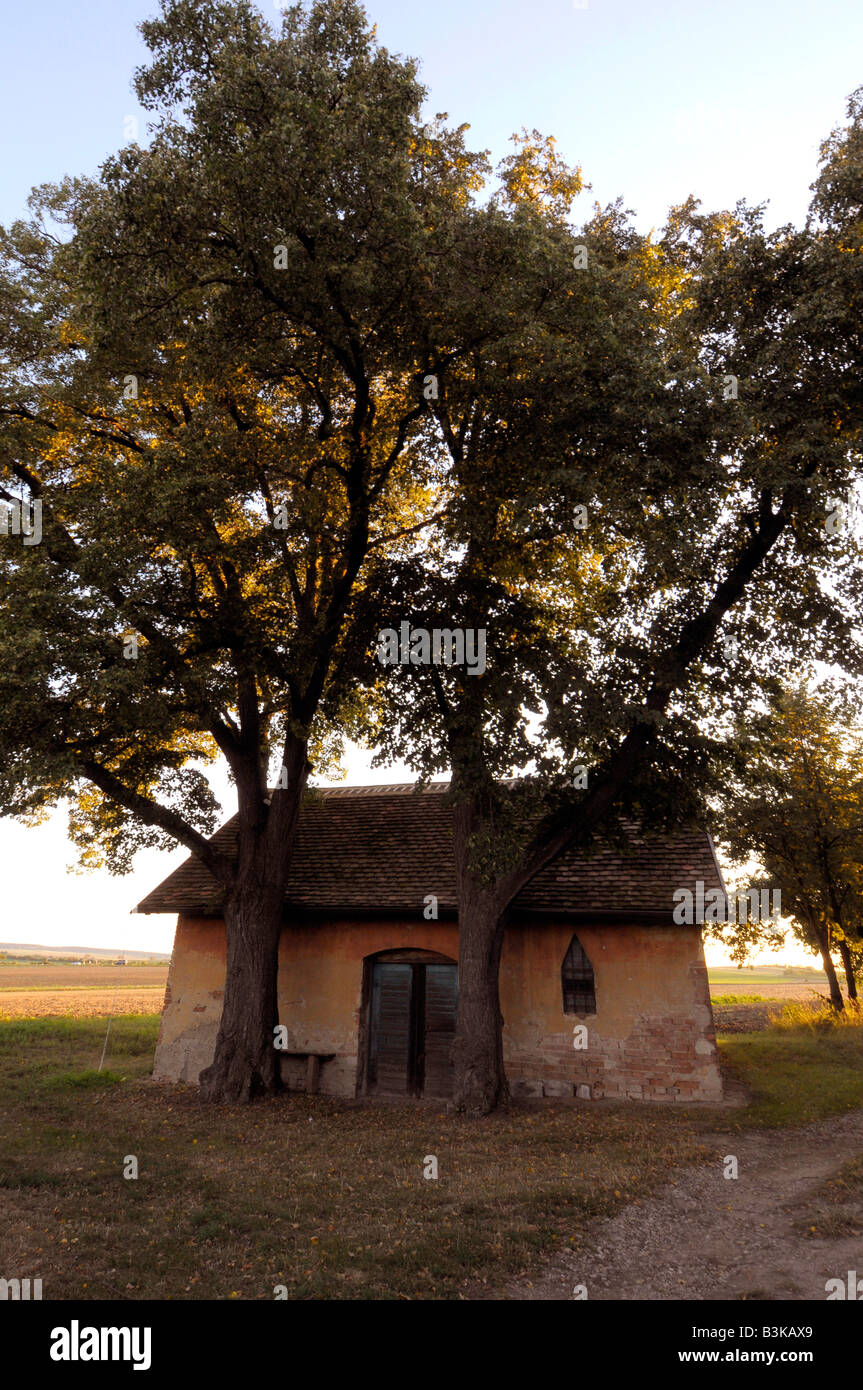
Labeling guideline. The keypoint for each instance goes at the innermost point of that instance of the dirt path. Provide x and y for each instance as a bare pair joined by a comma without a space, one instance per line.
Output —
708,1237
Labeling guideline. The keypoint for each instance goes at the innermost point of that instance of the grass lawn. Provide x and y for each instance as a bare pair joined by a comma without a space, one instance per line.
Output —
804,1067
326,1197
737,999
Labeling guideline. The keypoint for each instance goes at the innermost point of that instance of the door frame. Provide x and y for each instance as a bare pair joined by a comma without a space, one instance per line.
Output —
392,957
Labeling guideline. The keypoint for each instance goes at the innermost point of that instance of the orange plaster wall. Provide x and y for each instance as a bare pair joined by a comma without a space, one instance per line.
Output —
632,965
193,1000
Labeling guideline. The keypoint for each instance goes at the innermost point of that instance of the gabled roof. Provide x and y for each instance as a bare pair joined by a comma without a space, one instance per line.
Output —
378,851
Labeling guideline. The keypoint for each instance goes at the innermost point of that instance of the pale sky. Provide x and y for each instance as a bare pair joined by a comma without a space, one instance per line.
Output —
654,100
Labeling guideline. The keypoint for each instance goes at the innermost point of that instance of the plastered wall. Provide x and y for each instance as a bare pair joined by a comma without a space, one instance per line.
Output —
650,1039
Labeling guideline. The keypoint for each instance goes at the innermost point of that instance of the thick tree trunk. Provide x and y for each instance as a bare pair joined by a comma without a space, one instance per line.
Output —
848,967
246,1061
480,1081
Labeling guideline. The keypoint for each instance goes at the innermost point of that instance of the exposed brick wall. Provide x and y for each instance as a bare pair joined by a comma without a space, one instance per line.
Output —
657,1061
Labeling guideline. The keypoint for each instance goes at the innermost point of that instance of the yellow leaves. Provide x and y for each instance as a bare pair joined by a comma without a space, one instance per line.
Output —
71,336
537,176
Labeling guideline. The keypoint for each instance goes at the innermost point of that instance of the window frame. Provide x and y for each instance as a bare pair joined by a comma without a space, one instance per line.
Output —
578,981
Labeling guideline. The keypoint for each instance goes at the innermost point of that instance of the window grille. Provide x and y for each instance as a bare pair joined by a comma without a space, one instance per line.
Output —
579,993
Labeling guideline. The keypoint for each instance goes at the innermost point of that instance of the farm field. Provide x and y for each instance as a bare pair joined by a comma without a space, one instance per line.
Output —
21,977
80,991
80,1003
771,989
725,979
746,1000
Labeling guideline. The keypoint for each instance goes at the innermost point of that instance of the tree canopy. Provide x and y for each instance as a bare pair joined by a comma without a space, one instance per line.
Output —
796,803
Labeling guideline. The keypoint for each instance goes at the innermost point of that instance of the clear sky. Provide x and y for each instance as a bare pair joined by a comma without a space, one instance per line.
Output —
654,101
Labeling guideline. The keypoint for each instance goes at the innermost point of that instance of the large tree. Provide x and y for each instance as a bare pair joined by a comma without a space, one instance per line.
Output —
555,432
709,564
212,387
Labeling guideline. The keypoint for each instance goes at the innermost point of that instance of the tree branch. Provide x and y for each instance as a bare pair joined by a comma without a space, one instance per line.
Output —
562,828
150,811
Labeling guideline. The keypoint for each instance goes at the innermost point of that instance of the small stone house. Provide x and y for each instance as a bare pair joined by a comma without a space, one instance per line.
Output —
602,993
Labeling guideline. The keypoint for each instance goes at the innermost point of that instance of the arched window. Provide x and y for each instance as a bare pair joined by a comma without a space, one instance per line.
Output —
579,994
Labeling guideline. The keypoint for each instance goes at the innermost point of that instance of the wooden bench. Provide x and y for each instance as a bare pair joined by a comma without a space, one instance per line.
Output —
313,1067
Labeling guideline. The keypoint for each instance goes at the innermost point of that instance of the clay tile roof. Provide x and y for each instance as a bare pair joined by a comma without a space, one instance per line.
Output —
382,849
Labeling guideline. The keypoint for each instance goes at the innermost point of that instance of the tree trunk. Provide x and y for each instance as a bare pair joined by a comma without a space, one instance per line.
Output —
829,970
246,1061
480,1081
848,967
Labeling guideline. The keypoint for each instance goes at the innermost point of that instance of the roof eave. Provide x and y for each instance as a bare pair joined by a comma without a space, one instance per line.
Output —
447,912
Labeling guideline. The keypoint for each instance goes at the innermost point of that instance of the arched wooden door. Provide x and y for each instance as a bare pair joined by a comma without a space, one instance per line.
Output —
412,1013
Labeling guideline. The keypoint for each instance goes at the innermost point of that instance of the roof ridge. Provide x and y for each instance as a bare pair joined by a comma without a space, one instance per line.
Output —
380,789
398,788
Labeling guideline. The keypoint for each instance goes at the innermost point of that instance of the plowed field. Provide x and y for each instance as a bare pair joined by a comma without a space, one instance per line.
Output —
82,991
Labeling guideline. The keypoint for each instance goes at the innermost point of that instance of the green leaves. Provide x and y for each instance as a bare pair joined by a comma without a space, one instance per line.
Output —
169,393
796,803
